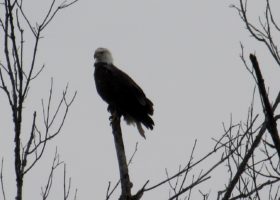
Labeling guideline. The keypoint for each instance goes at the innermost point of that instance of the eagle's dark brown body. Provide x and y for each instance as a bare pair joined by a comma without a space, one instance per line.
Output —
123,95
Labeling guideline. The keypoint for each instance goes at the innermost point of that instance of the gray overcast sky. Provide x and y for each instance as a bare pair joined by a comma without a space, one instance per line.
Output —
185,56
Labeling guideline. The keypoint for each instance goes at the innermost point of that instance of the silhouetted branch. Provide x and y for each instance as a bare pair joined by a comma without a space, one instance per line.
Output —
49,17
15,80
109,193
264,33
123,167
190,186
255,190
46,190
126,185
267,125
243,164
271,122
39,143
220,144
2,180
66,184
66,188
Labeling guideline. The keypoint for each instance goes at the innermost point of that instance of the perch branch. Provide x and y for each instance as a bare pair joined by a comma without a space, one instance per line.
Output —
123,168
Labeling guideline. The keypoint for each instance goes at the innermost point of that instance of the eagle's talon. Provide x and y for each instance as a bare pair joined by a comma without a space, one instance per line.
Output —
111,119
110,109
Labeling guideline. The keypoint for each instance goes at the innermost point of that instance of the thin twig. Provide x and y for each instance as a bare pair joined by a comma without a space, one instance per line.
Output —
2,180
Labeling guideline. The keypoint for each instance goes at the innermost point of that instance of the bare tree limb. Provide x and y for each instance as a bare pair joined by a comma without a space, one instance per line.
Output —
257,188
66,189
123,167
56,163
271,122
39,147
109,193
49,17
189,187
15,81
263,34
2,180
219,145
271,126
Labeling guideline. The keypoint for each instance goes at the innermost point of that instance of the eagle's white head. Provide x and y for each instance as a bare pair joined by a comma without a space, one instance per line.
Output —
103,55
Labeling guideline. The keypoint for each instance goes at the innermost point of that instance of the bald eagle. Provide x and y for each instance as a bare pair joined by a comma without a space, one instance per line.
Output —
122,94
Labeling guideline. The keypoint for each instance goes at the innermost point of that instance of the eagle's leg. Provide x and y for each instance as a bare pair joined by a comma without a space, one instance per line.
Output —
110,108
114,113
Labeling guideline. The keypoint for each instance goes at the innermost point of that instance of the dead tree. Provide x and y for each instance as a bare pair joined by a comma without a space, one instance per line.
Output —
16,77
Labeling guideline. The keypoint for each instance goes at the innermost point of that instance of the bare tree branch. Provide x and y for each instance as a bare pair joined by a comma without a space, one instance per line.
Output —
2,180
123,167
15,80
39,147
271,123
55,164
109,193
263,34
49,17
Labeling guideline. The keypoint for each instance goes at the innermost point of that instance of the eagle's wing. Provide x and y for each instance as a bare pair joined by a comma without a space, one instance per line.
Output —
131,99
128,85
